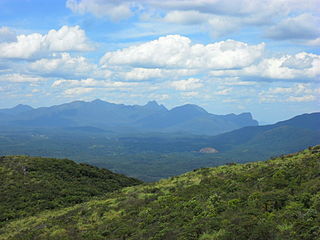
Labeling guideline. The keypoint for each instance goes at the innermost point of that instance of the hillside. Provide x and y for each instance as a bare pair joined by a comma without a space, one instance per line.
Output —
120,118
276,199
33,184
265,141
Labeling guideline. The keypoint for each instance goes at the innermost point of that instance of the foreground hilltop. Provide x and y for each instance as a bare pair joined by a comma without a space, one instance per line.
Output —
30,185
276,199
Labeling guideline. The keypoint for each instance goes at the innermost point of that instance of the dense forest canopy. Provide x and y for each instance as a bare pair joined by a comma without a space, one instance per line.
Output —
30,185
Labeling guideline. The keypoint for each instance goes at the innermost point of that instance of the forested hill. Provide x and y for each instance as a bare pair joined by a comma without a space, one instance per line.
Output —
30,185
276,199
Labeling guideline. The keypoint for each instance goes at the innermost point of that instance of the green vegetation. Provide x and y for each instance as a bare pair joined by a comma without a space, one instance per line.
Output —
33,184
272,200
155,156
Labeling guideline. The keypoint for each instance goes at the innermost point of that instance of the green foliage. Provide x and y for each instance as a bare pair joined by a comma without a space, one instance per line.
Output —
155,156
272,200
33,184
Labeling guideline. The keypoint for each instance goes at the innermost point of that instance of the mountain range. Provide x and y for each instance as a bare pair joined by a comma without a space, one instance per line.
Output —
119,118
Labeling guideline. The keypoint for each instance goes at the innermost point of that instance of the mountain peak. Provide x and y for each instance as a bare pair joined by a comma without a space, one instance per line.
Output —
20,108
98,101
190,107
152,103
23,106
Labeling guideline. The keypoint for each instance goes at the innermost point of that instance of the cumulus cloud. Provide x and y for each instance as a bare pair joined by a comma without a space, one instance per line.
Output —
7,35
304,26
187,84
299,61
33,45
101,8
286,67
299,67
175,51
63,65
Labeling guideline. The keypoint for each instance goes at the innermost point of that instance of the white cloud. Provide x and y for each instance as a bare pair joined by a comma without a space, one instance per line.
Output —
33,45
63,65
313,42
20,78
224,92
286,67
301,67
188,84
299,61
93,83
222,25
143,74
67,39
7,35
220,17
296,93
304,26
306,98
189,94
185,17
175,51
77,91
101,8
125,8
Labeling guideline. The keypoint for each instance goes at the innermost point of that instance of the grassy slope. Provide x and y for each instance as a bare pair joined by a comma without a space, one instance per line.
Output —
32,184
276,199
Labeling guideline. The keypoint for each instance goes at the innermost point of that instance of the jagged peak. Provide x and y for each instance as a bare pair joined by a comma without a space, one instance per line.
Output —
152,103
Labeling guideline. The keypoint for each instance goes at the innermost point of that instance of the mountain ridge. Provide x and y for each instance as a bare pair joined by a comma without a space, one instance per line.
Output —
151,117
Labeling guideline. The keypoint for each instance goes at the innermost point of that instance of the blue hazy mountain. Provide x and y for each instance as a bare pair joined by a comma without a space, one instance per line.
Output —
283,137
151,117
16,110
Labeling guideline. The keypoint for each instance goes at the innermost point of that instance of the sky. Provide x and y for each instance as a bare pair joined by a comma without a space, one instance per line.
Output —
258,56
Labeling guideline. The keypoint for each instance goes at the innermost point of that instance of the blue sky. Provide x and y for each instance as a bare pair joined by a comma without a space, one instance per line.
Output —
258,56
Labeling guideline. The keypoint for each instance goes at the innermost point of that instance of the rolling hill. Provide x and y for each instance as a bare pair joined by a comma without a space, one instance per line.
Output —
32,184
276,199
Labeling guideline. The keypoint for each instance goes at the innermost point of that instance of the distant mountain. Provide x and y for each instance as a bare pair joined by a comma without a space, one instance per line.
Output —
151,156
151,117
32,184
264,141
16,110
